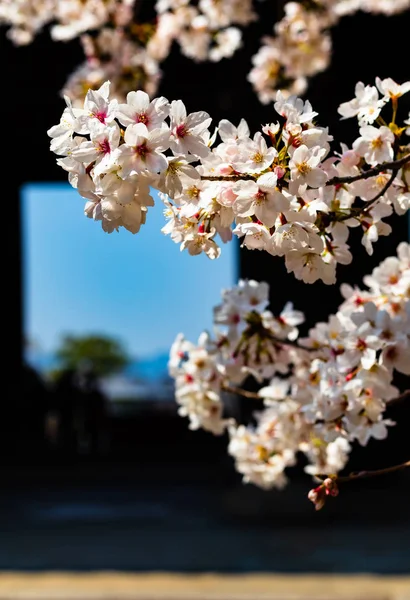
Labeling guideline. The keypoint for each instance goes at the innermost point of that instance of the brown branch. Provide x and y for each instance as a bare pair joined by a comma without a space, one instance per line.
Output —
367,474
370,203
236,177
329,484
241,392
254,395
395,165
293,344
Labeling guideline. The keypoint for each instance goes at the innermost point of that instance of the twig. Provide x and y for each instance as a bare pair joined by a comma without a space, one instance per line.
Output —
293,344
255,396
367,474
329,484
235,177
241,392
395,165
369,203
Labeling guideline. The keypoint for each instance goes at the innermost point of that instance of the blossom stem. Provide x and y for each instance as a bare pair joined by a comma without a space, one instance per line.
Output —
394,103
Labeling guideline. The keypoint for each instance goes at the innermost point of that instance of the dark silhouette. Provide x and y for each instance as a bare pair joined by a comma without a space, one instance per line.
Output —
67,398
29,408
92,430
81,414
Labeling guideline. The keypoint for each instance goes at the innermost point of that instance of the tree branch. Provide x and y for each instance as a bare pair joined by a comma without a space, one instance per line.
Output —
241,392
235,177
292,344
395,165
367,474
370,203
329,484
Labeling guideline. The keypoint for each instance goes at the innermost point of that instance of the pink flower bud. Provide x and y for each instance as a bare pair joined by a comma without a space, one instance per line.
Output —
330,486
313,495
225,170
317,496
279,172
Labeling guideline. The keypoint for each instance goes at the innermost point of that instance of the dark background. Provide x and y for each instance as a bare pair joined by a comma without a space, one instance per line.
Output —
164,497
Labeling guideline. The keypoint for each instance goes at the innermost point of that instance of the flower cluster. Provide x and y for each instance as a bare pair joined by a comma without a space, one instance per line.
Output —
385,7
300,49
280,190
127,50
69,18
302,46
205,31
317,395
124,49
112,54
130,52
199,381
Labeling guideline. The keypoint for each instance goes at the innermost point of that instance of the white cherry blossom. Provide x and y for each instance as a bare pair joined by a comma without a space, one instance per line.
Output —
141,150
188,131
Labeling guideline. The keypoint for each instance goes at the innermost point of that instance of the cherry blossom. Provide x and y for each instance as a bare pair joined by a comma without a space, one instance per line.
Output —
320,394
282,190
286,191
375,144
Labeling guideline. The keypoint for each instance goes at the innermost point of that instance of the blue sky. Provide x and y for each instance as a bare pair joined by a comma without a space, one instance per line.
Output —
139,288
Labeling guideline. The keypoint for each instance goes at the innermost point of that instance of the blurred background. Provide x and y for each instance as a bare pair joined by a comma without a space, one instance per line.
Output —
98,471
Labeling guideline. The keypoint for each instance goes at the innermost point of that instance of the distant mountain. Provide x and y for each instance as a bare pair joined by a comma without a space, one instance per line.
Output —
151,368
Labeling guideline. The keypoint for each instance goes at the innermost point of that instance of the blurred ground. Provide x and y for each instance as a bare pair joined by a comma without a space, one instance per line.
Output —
114,586
154,518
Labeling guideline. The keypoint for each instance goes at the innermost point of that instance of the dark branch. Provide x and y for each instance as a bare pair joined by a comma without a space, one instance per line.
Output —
236,177
241,392
367,474
370,203
395,165
293,344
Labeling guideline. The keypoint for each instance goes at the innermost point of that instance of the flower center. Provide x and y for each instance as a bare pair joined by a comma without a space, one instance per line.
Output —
142,150
104,146
142,118
304,168
260,197
257,157
193,192
181,131
377,143
361,345
101,115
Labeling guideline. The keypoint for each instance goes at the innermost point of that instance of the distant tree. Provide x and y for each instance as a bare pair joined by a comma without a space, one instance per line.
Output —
102,354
